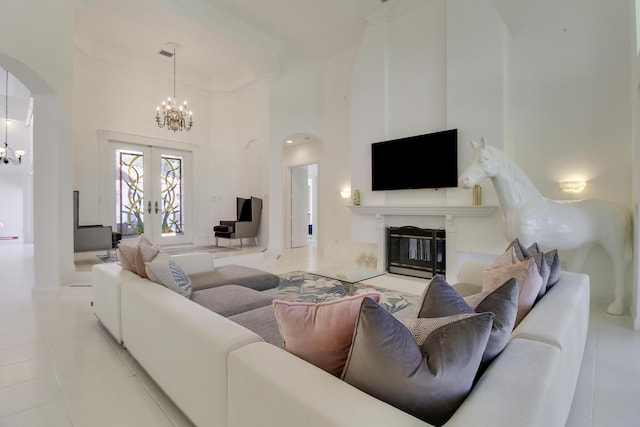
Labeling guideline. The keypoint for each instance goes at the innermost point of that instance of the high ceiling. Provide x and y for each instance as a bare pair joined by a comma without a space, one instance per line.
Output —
225,44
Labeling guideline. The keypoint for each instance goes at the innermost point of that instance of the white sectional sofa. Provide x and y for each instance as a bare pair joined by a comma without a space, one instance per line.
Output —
222,374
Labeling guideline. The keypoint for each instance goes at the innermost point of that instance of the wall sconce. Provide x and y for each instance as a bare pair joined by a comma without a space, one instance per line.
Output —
345,193
572,186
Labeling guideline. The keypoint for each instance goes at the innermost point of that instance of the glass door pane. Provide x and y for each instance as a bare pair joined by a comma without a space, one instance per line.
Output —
158,208
171,215
129,192
171,190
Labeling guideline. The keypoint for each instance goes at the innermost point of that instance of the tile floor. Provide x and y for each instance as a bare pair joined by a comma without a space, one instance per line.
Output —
59,368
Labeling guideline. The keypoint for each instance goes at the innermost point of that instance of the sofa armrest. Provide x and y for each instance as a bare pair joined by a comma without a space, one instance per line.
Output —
183,346
106,281
284,390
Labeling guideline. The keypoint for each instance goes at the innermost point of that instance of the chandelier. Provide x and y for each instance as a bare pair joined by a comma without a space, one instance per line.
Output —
7,155
174,117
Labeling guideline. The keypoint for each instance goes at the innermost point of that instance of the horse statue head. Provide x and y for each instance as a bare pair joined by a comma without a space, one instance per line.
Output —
483,166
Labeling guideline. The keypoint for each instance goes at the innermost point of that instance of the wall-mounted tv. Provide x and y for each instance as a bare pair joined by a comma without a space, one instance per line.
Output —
421,161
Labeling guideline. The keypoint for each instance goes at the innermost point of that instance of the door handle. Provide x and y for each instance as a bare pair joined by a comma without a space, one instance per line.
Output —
156,206
149,206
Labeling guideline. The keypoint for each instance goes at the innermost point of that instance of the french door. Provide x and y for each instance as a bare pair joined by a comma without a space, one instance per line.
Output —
153,193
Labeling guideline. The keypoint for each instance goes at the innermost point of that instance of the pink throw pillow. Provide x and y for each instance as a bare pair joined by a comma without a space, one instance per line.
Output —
127,257
133,258
144,255
320,333
529,282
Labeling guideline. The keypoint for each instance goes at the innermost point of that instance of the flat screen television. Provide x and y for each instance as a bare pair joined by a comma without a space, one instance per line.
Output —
421,161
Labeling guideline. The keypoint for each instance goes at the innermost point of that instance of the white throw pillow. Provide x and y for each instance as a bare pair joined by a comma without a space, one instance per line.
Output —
167,272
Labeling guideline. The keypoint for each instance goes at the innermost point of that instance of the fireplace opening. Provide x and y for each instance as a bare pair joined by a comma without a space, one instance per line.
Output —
418,252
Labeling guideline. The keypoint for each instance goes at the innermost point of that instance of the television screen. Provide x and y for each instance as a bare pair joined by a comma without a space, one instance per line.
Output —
422,161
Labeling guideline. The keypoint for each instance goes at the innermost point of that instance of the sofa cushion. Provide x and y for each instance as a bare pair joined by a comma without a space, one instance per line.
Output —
235,275
429,380
529,282
440,300
230,299
167,272
320,333
262,321
134,257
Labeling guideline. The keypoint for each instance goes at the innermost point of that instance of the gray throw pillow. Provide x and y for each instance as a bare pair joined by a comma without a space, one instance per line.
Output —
440,299
553,261
544,270
428,381
521,251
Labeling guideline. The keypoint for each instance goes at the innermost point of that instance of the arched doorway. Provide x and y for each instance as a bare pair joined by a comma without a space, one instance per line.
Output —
51,177
302,153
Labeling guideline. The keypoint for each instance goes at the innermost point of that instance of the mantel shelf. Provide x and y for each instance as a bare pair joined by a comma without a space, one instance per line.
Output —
444,210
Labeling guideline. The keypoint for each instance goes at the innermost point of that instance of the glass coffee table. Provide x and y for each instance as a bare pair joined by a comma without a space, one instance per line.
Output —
348,274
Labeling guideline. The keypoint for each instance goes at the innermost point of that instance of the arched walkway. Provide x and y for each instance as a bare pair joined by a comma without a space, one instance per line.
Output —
52,177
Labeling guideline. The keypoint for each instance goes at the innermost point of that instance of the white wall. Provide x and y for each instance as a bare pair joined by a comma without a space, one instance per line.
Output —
224,125
295,106
545,83
568,97
37,49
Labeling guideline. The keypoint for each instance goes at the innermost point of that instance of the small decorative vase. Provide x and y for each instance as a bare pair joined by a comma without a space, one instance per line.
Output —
477,195
356,198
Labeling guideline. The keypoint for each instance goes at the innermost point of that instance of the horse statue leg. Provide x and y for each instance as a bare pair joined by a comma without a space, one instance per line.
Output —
617,306
580,254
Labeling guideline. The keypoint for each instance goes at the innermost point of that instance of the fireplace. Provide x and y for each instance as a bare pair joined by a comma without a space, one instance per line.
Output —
413,251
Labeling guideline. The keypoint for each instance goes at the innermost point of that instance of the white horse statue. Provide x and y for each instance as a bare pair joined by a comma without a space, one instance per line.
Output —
560,224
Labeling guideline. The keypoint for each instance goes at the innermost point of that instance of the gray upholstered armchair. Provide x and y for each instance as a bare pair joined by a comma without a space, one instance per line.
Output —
246,225
88,238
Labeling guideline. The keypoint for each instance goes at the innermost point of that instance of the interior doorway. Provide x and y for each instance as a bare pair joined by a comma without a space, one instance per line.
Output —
303,205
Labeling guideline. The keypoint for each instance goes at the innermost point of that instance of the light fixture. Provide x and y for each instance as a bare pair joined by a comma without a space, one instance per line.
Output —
7,155
572,186
345,193
174,116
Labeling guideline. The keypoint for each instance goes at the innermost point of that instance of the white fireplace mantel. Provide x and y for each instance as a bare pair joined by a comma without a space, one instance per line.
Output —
446,211
442,210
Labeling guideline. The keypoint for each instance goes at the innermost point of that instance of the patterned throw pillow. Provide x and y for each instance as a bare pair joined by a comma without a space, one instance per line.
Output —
320,333
427,380
167,272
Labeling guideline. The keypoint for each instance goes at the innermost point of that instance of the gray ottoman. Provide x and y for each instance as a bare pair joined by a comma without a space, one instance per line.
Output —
234,275
231,299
